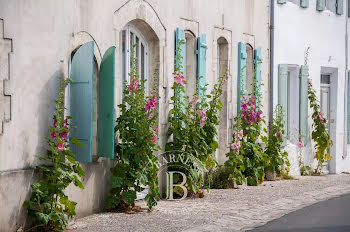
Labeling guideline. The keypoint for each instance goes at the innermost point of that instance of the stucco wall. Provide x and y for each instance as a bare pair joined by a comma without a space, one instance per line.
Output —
296,29
44,33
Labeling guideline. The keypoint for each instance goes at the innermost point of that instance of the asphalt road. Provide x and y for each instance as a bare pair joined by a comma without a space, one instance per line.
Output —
327,216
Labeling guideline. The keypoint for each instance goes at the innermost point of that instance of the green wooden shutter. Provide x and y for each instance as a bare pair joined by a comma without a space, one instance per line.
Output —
105,121
281,1
180,41
241,72
283,93
201,64
258,62
81,100
348,110
321,5
303,103
304,3
339,5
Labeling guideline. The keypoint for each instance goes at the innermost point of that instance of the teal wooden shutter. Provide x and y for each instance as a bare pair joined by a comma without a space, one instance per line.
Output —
257,64
180,41
348,110
105,121
283,93
339,5
303,103
81,100
201,64
281,1
242,71
321,5
304,3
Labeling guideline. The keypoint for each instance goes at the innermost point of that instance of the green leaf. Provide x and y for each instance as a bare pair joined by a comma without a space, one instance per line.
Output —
76,141
129,196
43,218
112,202
116,181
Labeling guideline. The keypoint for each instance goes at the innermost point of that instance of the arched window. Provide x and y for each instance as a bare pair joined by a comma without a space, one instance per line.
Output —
130,37
191,64
250,69
222,66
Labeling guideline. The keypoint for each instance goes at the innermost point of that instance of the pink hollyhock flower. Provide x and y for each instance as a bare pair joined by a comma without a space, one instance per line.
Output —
154,138
156,130
53,135
300,144
63,136
179,79
54,123
60,146
66,121
195,100
326,121
234,146
320,116
278,134
150,116
310,81
244,106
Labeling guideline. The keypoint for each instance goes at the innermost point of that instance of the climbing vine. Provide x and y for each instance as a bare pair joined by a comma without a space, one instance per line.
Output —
49,204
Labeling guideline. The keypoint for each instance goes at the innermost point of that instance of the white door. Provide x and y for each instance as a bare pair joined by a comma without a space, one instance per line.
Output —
325,106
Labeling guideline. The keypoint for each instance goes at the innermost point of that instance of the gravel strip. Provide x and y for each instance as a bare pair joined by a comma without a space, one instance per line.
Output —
223,210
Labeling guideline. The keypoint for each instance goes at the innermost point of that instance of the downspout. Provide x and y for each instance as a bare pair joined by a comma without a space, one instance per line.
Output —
272,41
345,152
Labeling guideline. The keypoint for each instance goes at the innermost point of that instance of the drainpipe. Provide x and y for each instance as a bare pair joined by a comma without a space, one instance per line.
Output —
272,41
345,153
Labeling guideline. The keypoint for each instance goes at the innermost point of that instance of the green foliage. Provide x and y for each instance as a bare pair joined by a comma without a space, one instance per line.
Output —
48,204
247,159
319,133
192,126
137,165
278,159
219,178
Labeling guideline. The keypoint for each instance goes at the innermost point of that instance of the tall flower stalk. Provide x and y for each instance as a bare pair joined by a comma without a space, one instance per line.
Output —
137,130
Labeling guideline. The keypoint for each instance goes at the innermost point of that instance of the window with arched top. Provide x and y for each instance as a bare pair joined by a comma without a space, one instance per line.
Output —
191,64
132,38
250,69
222,67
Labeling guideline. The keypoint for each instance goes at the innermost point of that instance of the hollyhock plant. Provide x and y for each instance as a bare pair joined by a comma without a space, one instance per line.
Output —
136,145
319,133
300,144
52,206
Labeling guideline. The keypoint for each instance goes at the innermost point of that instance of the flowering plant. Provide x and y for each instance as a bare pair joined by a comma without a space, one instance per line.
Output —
136,162
278,159
304,169
48,202
247,158
192,126
320,133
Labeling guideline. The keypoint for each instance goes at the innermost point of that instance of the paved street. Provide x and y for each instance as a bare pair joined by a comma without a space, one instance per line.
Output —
224,210
327,216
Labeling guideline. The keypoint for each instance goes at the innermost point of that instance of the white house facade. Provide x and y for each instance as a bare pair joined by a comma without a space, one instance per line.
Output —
312,32
40,42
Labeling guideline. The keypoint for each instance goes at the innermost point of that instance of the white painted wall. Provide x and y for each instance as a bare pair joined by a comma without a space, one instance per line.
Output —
296,29
45,33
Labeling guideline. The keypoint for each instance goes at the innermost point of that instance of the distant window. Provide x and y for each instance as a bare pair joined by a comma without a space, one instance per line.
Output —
250,69
331,5
191,64
131,36
295,1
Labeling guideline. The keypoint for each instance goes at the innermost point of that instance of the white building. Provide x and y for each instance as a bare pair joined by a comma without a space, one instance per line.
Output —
321,25
38,39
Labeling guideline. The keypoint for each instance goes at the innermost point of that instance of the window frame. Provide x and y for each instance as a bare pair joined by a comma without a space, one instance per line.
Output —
128,29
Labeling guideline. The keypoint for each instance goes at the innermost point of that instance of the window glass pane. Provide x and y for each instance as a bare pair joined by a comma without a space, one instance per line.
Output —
132,50
325,79
123,58
142,62
137,55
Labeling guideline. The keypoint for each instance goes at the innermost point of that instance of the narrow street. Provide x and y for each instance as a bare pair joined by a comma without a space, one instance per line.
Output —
331,215
230,209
